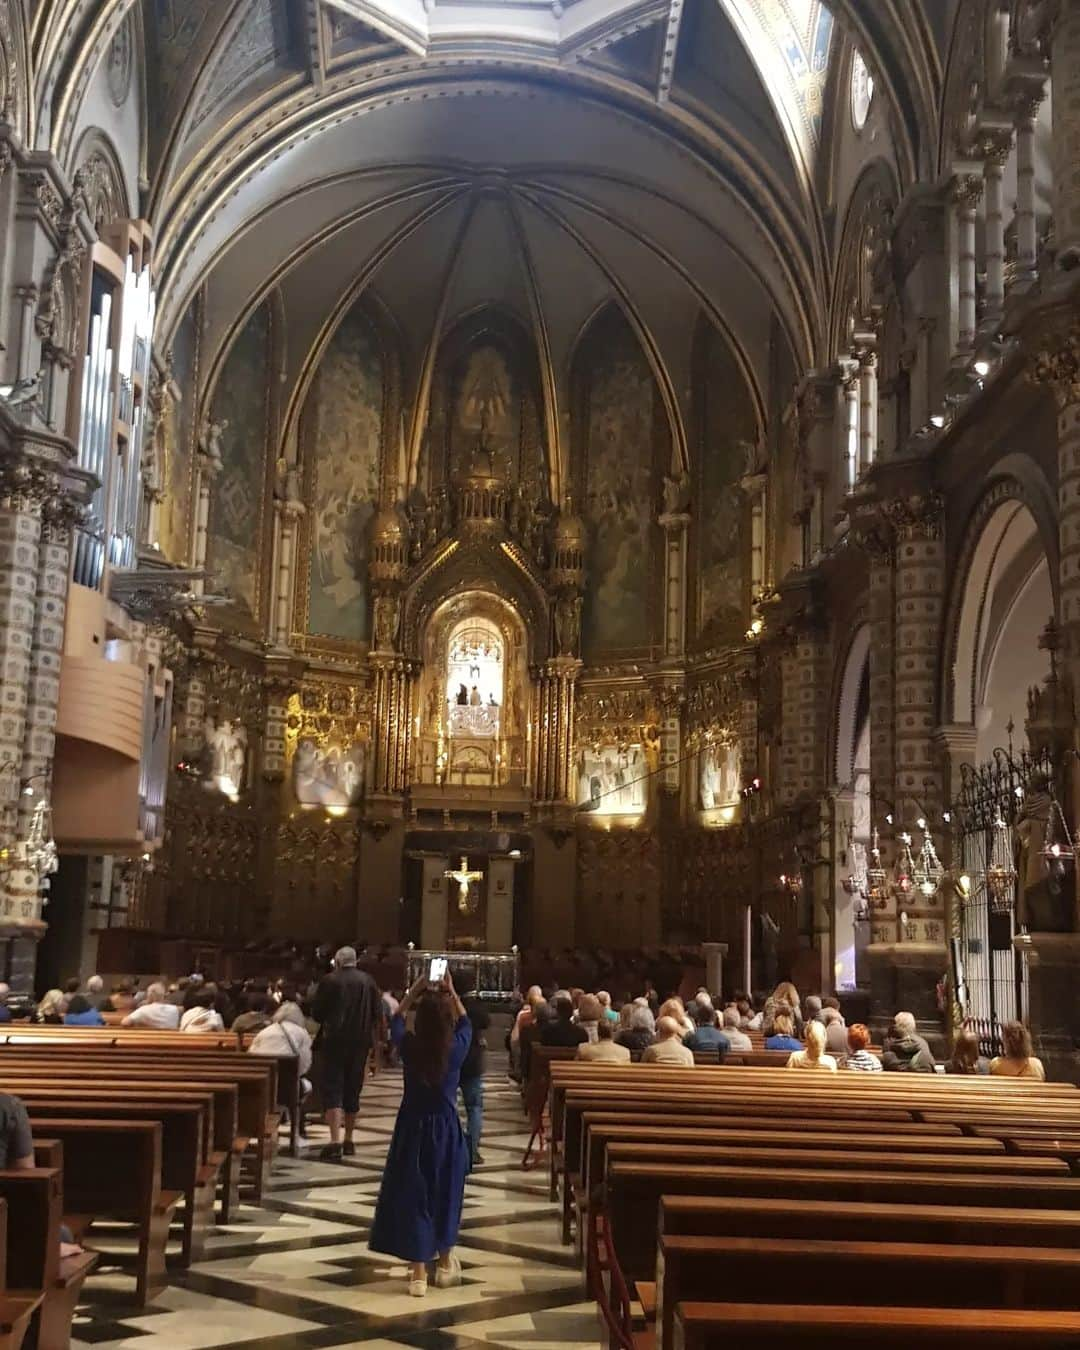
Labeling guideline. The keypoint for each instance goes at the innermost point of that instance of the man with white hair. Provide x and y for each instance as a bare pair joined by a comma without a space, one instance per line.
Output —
905,1051
5,1011
348,1009
155,1012
668,1047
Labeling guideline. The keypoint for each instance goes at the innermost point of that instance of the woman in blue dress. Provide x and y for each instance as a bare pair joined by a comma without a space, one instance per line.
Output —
423,1186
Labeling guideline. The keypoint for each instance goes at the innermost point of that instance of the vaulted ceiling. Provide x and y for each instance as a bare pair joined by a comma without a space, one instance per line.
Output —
548,154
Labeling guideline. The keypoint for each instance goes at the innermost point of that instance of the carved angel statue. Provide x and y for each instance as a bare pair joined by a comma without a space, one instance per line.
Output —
568,624
387,618
677,494
210,434
23,391
288,481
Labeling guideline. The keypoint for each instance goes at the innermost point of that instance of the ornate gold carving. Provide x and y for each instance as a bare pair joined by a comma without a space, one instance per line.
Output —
919,516
1057,364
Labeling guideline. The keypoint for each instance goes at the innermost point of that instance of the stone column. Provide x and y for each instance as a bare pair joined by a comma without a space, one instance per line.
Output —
1025,112
208,464
868,409
997,149
500,904
20,556
850,429
287,515
675,525
433,916
1056,363
967,189
714,953
39,739
1064,43
920,584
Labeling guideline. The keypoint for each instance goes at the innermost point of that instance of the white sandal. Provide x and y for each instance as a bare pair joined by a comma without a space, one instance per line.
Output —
447,1277
418,1288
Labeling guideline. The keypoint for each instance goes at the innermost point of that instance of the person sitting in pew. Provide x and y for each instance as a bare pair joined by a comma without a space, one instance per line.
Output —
674,1007
562,1029
50,1011
1016,1059
811,1008
965,1055
155,1012
706,1036
835,1030
814,1056
5,1011
605,1049
82,1013
783,1037
859,1057
608,1012
668,1047
905,1051
738,1041
17,1154
202,1015
16,1141
640,1032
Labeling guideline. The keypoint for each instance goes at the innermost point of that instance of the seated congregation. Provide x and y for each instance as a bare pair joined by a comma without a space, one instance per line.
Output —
711,1198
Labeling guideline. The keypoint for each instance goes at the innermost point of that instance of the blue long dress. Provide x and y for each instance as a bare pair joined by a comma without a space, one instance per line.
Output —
423,1185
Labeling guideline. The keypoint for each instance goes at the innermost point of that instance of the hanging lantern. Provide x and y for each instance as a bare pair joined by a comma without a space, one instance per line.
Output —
928,872
1001,871
792,882
904,871
1058,849
877,883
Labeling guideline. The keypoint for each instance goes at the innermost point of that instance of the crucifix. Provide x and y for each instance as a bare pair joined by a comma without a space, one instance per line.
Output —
464,879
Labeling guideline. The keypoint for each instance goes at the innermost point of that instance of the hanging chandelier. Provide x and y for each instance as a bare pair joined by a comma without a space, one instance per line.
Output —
1058,849
928,872
877,882
1000,873
903,879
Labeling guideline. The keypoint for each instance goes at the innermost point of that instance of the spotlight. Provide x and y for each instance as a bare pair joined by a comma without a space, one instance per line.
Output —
937,420
981,368
888,818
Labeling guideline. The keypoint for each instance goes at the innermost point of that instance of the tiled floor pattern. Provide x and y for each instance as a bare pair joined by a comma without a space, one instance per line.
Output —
297,1271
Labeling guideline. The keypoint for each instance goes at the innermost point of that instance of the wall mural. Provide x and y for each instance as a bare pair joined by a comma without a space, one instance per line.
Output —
719,781
612,779
179,438
726,426
620,493
344,482
331,775
240,410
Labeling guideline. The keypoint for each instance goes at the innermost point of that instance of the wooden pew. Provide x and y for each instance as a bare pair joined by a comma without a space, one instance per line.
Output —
180,1117
113,1171
29,1266
718,1326
753,1270
634,1191
257,1079
259,1118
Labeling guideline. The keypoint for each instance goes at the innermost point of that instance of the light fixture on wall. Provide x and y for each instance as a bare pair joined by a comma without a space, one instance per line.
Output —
877,882
903,879
1058,849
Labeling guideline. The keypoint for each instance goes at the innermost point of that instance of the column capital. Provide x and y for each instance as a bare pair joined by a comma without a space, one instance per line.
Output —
966,187
918,516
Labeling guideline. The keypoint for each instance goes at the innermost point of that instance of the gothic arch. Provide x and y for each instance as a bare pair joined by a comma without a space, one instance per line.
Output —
1004,570
99,179
477,565
872,202
850,713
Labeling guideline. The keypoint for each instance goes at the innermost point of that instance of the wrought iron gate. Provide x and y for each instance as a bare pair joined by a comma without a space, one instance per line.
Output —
995,798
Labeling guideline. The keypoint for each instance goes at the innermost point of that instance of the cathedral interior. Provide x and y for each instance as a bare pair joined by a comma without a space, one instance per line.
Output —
624,454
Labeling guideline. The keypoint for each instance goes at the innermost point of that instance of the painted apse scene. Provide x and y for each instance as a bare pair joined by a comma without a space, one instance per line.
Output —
583,490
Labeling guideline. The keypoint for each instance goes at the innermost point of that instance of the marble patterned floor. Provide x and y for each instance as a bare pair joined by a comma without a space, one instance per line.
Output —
297,1270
